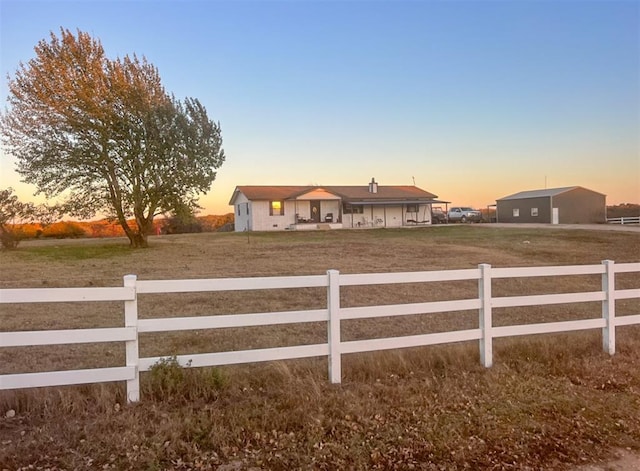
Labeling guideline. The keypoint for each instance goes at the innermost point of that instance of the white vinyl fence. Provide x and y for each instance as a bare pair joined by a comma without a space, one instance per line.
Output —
624,220
333,314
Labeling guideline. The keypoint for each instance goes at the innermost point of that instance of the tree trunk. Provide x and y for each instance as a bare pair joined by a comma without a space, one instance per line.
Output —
141,234
137,237
138,240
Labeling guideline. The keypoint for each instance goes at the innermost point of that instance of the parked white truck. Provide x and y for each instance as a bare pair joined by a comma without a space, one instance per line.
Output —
463,214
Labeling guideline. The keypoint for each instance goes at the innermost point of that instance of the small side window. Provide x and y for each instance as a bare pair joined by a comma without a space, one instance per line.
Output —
534,211
516,212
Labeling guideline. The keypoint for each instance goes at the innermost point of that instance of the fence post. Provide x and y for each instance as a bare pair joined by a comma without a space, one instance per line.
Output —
609,308
131,320
333,327
485,314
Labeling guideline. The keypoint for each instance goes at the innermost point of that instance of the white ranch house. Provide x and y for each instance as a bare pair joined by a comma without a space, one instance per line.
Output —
278,208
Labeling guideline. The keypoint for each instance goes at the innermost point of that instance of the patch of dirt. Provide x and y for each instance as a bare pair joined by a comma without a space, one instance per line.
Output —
624,460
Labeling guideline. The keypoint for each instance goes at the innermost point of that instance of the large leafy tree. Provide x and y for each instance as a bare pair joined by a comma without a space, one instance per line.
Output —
12,211
106,136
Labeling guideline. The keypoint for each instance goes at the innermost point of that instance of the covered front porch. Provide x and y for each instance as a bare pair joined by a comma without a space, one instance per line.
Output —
317,207
339,214
388,213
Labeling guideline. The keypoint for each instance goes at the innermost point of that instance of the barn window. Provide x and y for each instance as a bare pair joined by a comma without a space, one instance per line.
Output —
516,212
276,208
534,211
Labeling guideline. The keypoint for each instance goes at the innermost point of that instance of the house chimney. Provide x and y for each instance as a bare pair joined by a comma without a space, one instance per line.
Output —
373,186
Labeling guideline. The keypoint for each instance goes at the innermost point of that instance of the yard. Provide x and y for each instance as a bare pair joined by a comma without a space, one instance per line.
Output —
550,402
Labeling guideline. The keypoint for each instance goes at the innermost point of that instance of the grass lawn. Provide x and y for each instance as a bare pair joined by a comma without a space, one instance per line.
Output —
549,402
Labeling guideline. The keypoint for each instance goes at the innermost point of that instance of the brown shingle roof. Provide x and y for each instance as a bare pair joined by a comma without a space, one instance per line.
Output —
384,192
254,193
347,193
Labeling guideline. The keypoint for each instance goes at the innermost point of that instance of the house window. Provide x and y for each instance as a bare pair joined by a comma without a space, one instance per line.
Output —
534,211
276,208
247,208
239,210
412,208
516,212
349,208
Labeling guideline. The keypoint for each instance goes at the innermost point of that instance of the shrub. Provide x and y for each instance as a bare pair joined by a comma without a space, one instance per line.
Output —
177,225
10,238
167,380
64,230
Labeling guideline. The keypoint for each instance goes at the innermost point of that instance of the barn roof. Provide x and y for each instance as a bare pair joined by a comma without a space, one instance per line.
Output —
546,193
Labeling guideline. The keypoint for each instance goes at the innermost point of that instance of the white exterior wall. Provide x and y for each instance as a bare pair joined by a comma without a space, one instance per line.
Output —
262,221
259,219
303,209
242,220
330,207
386,216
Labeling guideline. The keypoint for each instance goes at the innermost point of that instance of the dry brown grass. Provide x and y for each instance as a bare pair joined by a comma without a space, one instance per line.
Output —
548,402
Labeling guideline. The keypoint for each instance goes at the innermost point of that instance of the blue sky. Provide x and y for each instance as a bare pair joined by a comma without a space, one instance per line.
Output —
474,100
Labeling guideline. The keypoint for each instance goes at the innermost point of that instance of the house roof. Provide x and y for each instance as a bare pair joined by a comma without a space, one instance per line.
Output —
356,194
254,193
546,193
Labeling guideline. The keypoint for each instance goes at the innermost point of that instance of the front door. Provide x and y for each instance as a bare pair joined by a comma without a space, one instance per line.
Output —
315,211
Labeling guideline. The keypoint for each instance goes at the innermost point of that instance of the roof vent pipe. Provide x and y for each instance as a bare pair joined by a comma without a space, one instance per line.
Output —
373,186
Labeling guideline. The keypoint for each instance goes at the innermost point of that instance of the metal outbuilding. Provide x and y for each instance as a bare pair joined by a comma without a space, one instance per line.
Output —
567,205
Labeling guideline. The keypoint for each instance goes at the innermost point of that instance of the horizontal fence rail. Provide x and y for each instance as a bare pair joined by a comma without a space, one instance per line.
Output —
65,295
624,220
332,315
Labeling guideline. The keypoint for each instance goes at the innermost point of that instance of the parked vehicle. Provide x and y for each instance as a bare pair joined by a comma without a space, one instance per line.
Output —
438,216
463,214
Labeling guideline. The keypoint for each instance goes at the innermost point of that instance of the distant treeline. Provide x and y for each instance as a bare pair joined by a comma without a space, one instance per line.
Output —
110,228
624,210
